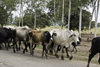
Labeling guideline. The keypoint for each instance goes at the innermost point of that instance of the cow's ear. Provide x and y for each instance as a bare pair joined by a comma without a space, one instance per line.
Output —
71,36
74,34
30,33
55,34
45,33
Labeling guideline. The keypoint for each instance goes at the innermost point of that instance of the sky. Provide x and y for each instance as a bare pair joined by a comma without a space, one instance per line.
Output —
93,19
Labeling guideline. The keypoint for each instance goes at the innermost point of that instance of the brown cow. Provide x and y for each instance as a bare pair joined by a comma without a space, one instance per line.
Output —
40,37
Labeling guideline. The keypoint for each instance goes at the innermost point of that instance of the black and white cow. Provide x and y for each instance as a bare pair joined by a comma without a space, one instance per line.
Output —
5,35
95,48
63,38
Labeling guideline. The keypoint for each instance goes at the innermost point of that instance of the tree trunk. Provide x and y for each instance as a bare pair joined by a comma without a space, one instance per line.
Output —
22,11
2,24
96,18
34,16
69,14
91,20
54,16
80,21
62,14
10,17
35,19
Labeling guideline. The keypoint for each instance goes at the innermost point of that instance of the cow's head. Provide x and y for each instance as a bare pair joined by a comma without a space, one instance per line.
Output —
74,38
46,36
54,34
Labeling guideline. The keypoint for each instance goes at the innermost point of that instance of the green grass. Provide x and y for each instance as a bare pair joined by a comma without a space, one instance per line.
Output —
59,27
52,27
92,30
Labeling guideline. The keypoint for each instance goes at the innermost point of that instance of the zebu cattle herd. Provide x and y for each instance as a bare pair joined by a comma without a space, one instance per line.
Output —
52,41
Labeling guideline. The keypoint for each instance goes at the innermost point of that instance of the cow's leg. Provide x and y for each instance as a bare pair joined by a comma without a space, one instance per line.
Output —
50,48
62,51
46,52
9,45
56,52
19,45
25,47
0,46
99,58
43,51
34,48
14,46
31,49
68,54
6,45
90,57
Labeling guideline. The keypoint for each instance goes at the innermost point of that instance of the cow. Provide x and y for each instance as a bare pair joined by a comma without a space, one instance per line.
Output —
51,47
42,38
5,35
78,43
64,38
20,34
95,48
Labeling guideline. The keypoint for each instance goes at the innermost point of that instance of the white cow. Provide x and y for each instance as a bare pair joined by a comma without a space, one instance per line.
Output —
64,38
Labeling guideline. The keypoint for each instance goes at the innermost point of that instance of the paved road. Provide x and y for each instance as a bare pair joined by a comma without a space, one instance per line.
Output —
10,59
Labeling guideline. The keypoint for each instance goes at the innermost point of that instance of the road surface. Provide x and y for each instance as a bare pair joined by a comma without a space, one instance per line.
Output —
10,59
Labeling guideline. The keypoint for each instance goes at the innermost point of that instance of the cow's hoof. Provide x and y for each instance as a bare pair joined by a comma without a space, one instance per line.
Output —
99,60
71,58
63,51
7,48
31,55
87,66
42,56
23,51
26,50
0,48
14,51
51,52
56,55
62,58
47,58
17,49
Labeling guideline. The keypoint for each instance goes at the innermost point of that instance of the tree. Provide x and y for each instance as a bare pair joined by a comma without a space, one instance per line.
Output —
41,22
96,17
74,16
62,15
69,14
10,6
3,16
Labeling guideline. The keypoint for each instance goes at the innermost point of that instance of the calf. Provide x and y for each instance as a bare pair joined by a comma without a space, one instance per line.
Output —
95,48
40,37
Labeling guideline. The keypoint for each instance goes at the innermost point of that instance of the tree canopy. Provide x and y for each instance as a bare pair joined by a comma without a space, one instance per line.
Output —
3,16
41,12
74,20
